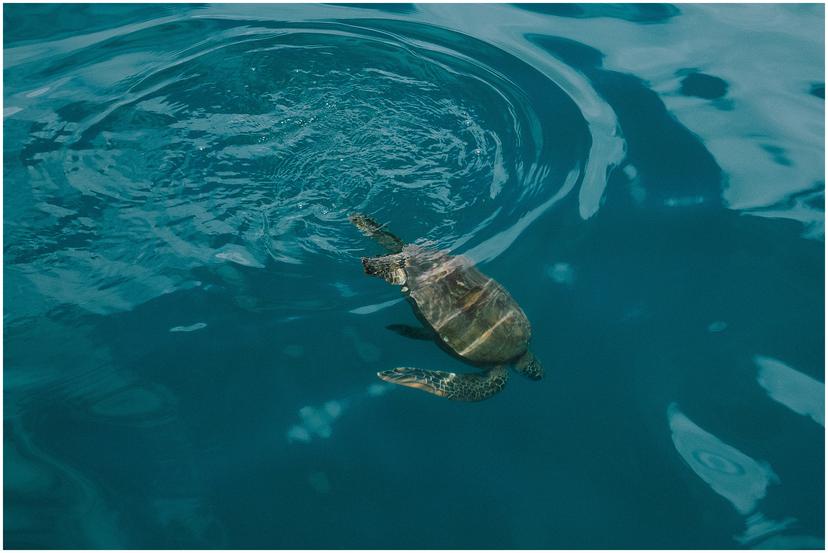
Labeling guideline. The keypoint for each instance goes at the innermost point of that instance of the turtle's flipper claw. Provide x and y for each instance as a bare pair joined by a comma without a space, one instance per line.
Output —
371,228
464,387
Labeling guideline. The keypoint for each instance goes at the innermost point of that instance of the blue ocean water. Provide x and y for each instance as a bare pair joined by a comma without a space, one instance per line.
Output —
190,344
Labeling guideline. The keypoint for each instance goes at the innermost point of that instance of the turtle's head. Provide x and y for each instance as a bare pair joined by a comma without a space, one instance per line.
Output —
364,223
371,228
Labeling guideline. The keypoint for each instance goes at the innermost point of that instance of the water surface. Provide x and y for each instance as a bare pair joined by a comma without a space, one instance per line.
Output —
191,346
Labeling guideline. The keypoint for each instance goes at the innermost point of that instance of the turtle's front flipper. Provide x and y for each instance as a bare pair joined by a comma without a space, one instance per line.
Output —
371,228
415,332
464,387
529,366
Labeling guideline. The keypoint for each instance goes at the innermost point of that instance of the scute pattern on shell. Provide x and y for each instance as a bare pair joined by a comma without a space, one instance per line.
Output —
470,312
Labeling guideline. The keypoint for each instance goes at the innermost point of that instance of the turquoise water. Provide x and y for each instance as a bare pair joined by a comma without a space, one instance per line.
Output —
191,345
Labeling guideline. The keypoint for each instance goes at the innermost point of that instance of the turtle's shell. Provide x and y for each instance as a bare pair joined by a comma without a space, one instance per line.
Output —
472,313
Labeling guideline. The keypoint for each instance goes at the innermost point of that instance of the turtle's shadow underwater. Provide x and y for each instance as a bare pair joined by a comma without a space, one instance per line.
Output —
468,314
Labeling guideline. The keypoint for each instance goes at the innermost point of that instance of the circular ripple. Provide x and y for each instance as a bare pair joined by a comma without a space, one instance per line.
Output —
255,144
718,463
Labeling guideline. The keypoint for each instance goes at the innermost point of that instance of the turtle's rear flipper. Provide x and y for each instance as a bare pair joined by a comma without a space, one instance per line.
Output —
464,387
529,366
371,228
415,332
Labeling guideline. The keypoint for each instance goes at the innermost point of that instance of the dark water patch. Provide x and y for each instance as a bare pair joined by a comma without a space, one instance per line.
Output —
672,164
638,13
388,8
25,24
818,90
816,198
778,154
704,86
77,111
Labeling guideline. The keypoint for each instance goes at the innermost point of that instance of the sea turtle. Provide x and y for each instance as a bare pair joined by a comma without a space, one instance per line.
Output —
467,313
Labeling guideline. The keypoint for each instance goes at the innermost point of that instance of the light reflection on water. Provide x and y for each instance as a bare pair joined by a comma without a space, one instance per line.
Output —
740,479
796,391
729,472
187,319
